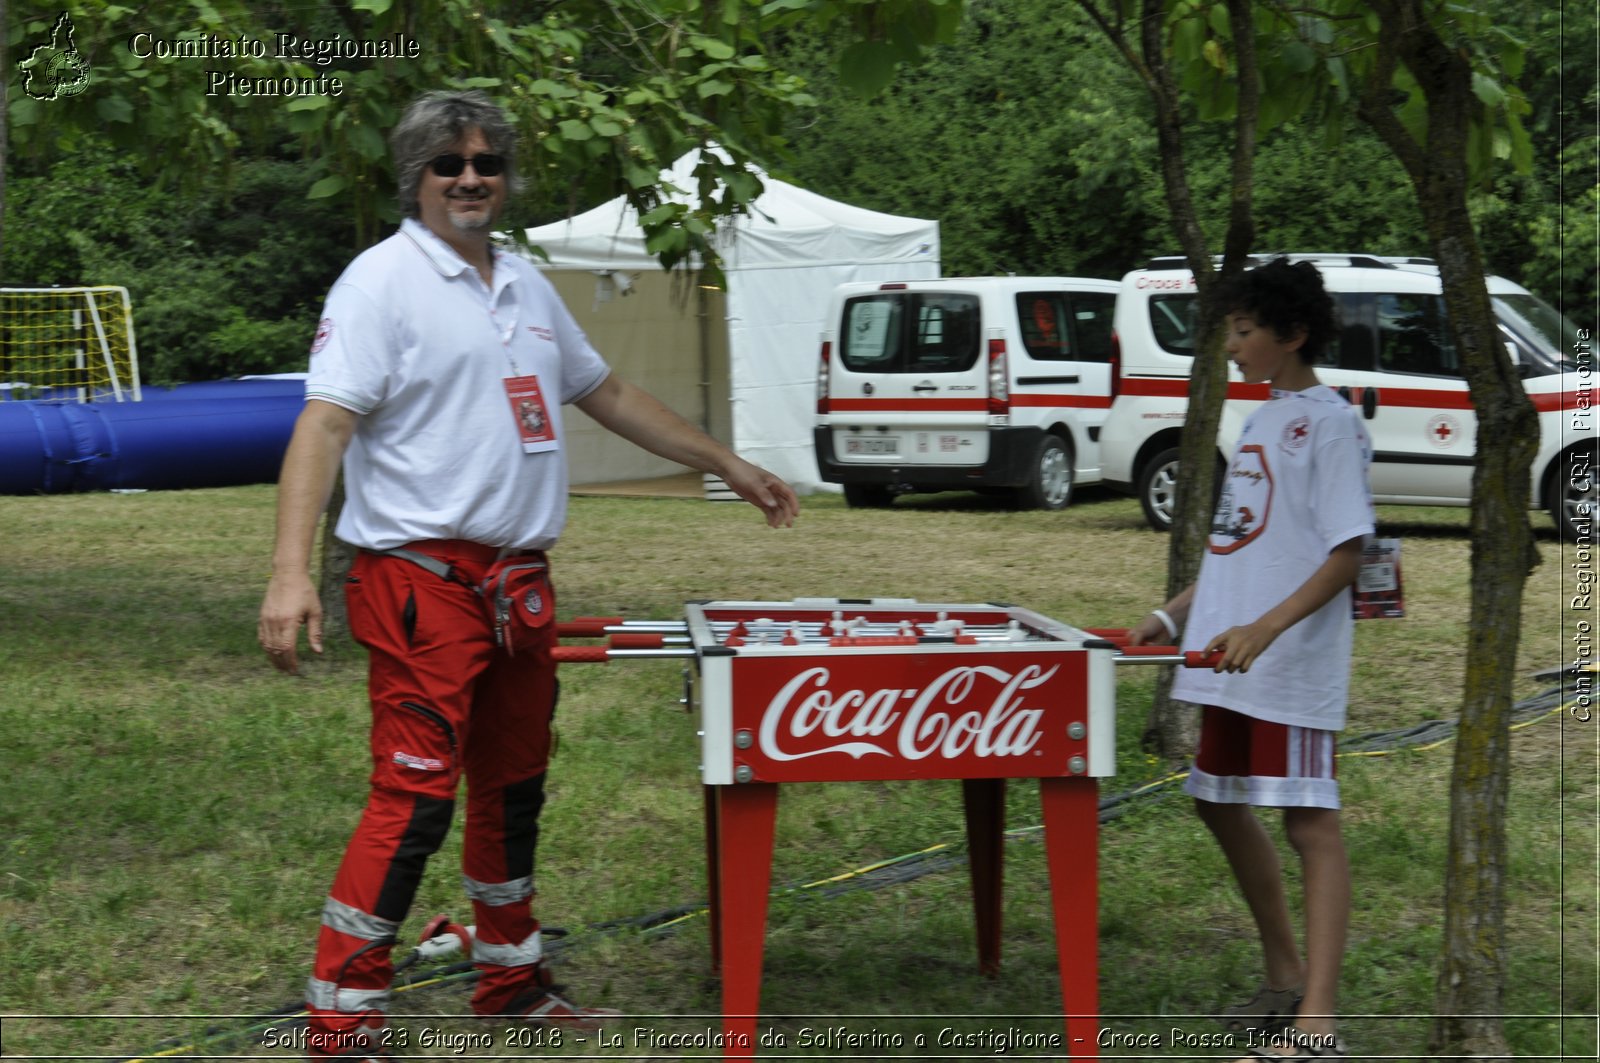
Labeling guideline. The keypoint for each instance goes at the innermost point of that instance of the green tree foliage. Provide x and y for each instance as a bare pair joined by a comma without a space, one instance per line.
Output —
1033,146
231,211
1004,136
608,92
225,284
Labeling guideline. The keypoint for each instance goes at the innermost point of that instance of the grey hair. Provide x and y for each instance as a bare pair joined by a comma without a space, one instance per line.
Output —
434,123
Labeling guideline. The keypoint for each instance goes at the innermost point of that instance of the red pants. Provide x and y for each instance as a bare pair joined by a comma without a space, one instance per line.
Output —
446,701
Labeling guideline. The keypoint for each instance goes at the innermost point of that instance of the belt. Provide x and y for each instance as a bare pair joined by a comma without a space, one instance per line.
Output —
465,550
437,555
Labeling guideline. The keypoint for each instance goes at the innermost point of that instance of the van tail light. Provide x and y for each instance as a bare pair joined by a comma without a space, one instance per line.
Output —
999,390
822,376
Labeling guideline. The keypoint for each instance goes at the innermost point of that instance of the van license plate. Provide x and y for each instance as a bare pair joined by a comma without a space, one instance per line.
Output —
872,445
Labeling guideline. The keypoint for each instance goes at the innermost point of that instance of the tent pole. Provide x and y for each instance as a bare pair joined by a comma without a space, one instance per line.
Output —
705,358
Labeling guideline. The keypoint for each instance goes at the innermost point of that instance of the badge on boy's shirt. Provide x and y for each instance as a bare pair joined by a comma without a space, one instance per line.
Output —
530,414
1378,594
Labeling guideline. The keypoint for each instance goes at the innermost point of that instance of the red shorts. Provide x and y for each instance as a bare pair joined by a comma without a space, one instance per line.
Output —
1243,760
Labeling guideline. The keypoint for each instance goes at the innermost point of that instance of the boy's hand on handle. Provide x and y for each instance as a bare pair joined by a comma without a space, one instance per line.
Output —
1240,646
291,600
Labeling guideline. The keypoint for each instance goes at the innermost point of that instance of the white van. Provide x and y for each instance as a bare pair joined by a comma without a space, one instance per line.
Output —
965,383
1393,356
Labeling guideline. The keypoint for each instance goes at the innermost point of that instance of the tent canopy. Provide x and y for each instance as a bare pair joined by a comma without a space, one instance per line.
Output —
782,262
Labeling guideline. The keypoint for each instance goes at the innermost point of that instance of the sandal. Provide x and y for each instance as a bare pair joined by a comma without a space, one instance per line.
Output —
1269,1011
1306,1045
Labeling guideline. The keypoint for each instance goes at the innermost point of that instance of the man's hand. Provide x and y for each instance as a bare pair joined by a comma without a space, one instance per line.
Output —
291,600
766,492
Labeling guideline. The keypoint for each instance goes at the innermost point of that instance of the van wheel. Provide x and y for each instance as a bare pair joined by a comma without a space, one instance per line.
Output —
867,496
1158,489
1573,499
1051,486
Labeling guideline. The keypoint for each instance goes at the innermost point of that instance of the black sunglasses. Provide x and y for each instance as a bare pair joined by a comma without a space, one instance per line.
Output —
452,164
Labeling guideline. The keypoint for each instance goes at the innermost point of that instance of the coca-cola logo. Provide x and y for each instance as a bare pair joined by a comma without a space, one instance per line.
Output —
972,710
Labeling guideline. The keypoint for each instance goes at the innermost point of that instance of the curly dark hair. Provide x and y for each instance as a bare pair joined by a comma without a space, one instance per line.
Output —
1284,296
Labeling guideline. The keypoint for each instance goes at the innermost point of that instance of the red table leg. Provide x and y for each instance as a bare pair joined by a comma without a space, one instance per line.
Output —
713,877
1071,838
744,817
985,801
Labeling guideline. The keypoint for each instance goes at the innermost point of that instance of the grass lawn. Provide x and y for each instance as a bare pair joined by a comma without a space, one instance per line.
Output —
174,809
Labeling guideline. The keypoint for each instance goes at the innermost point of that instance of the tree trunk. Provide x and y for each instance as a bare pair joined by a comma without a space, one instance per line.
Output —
1172,727
337,557
5,106
1470,990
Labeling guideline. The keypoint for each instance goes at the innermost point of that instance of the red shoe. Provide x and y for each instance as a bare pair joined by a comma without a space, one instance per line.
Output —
542,1004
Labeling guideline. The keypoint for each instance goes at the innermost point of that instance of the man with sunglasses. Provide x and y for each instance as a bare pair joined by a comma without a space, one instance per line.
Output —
437,378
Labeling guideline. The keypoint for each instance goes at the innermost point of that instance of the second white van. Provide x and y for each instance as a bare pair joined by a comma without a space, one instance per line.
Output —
996,384
1394,356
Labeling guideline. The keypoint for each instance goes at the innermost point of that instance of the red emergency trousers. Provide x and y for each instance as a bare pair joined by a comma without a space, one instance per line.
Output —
447,700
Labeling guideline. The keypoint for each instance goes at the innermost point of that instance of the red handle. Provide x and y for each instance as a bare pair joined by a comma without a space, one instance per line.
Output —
587,627
1191,659
580,655
637,640
1118,635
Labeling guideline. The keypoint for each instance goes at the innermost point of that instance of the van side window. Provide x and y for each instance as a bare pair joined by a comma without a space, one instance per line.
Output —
910,332
1172,319
1092,316
1412,336
1046,327
1066,326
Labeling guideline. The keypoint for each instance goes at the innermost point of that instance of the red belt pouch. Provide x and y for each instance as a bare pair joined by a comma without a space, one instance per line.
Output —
520,598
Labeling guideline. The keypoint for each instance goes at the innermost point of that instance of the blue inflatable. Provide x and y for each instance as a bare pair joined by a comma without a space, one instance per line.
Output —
220,433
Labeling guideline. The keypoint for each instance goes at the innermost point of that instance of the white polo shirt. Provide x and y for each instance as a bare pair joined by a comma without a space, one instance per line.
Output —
1295,489
414,341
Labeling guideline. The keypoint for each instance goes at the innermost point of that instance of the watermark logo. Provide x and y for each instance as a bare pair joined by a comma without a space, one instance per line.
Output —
56,70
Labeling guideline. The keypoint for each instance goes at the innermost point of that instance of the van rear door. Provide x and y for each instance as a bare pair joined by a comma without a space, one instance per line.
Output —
909,383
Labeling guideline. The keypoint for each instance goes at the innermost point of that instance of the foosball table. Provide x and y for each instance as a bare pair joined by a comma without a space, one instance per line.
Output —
830,690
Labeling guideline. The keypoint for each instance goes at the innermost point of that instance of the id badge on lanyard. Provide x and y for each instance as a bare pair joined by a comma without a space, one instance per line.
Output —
530,414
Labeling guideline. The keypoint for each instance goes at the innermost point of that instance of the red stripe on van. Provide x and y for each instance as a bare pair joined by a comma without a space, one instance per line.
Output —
1424,398
1557,401
975,405
1178,388
1162,388
1087,402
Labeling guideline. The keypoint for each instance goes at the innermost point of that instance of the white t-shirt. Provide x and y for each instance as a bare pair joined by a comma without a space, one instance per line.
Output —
1295,489
413,340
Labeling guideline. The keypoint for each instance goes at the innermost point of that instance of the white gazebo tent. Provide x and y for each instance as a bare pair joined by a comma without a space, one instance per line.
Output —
740,363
